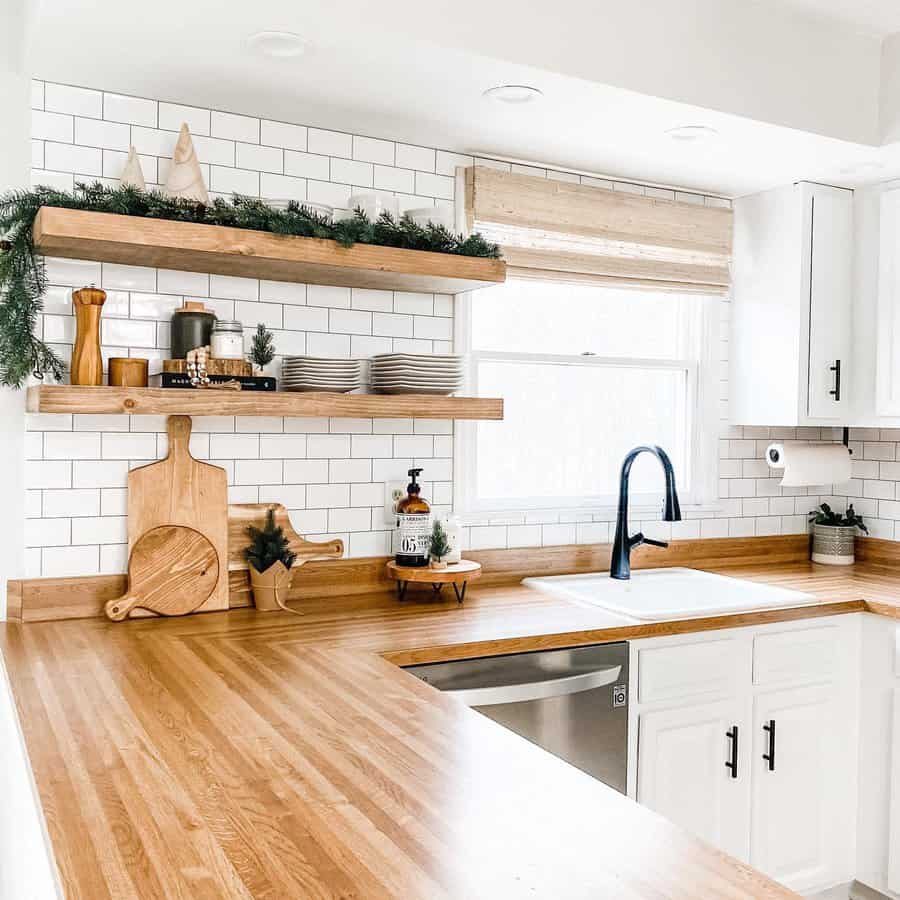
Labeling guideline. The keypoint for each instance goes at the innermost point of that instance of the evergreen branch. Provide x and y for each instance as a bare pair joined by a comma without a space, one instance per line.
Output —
23,279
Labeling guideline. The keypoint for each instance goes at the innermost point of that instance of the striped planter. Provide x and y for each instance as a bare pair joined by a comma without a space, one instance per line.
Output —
833,544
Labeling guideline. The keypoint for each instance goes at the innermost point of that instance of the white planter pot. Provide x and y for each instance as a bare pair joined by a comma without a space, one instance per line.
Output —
834,545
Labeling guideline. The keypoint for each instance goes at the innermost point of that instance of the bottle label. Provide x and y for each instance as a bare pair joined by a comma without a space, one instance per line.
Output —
415,534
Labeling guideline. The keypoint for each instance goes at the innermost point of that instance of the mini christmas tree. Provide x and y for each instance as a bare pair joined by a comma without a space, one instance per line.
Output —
262,350
269,545
440,543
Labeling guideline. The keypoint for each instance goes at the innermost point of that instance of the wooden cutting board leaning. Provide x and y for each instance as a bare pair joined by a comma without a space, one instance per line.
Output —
172,570
180,490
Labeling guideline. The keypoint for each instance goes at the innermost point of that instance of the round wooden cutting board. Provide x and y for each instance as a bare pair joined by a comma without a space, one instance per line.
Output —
173,570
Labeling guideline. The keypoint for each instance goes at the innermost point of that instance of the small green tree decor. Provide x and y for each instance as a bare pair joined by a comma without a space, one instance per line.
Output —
439,547
270,558
262,350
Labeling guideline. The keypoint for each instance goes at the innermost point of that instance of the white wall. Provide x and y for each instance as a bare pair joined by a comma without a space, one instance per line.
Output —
15,92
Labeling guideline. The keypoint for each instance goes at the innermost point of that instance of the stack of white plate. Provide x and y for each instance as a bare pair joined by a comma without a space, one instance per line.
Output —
312,373
415,373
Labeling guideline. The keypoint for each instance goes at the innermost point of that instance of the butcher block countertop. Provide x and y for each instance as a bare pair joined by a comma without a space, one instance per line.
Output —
251,755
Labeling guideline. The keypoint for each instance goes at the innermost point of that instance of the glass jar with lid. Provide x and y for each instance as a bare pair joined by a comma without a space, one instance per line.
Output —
227,339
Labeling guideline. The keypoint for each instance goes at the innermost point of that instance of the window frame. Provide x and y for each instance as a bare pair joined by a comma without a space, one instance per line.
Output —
702,399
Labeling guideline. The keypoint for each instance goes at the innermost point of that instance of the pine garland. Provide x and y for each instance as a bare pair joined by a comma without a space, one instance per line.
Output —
23,278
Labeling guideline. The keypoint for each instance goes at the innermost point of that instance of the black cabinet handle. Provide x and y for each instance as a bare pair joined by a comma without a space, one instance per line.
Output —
770,756
732,735
836,368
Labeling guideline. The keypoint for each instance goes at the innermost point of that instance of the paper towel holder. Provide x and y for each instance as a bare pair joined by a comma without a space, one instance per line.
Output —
775,456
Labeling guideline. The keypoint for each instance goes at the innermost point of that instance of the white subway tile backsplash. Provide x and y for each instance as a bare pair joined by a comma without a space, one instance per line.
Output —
350,321
227,180
306,165
100,530
439,186
321,496
76,101
256,471
62,562
341,471
48,126
99,474
282,187
250,313
346,171
68,503
330,473
189,284
281,134
282,446
71,445
388,178
329,143
173,115
71,158
234,127
107,135
373,150
411,157
48,474
326,446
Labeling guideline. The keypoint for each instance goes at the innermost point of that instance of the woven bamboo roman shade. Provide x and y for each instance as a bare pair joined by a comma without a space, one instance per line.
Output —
565,231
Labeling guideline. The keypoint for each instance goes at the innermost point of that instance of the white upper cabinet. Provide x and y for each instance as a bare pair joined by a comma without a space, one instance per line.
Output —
791,332
887,375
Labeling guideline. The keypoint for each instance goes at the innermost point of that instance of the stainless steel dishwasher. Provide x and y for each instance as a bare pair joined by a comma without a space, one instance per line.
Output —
573,703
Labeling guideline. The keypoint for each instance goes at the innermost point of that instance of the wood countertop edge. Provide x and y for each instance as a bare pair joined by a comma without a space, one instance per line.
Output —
629,632
133,683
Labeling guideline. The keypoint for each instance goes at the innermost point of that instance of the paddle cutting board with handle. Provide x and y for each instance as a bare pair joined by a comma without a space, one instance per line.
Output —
180,490
172,571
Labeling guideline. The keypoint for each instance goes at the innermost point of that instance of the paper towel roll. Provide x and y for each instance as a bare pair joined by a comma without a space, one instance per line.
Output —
810,464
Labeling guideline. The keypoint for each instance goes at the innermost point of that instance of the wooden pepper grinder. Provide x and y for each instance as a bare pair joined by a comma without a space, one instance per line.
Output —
87,361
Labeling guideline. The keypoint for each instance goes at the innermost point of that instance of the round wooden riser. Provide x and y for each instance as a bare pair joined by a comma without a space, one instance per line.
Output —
456,574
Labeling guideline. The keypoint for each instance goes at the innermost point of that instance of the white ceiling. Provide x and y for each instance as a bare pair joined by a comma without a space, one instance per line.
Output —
784,91
881,17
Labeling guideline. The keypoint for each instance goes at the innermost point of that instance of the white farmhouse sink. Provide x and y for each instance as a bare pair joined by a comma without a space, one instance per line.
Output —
660,594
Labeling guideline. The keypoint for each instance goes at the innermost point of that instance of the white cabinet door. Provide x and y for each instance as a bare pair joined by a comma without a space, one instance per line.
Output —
894,842
798,765
887,385
682,771
828,280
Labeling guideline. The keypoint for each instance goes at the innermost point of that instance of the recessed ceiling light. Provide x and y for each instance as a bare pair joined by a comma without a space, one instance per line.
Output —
514,93
278,44
692,133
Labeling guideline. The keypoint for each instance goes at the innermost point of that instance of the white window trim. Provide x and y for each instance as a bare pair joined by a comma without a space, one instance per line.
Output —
703,391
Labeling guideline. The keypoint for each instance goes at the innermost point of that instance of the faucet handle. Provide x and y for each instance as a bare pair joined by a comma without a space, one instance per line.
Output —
652,543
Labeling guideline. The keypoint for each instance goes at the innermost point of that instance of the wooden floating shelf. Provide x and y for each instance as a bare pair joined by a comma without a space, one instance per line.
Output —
132,240
199,402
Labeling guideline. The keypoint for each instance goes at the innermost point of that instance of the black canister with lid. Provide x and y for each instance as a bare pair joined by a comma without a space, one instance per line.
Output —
191,328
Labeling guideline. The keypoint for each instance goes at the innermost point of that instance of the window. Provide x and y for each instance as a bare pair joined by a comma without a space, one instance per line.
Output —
586,372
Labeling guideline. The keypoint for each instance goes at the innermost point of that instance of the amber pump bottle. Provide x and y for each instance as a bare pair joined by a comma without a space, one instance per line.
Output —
414,525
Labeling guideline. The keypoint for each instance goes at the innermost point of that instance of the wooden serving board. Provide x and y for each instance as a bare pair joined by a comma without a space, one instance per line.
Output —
180,490
213,366
172,571
240,515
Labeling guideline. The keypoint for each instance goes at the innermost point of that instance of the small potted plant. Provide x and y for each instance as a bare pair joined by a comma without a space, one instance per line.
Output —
270,559
262,349
439,546
834,535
